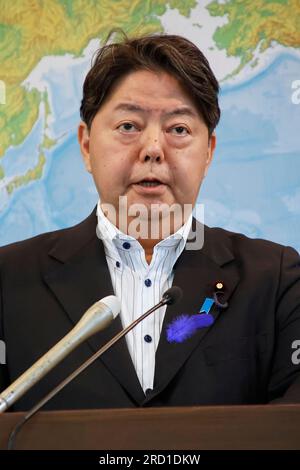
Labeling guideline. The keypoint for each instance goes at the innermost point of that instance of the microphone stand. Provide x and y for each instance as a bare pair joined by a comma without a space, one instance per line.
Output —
167,299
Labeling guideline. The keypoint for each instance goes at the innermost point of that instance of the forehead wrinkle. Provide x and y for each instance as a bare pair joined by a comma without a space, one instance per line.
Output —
131,107
178,111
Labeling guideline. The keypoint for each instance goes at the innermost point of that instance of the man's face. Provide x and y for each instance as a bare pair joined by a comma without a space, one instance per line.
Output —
148,128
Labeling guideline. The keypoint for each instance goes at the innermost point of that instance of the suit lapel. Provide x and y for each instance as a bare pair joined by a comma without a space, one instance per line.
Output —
196,273
80,279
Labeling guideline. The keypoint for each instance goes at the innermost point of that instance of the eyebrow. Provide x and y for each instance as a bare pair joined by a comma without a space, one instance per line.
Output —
180,111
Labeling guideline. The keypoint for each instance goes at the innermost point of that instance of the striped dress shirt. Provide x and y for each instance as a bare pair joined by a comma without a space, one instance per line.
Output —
139,286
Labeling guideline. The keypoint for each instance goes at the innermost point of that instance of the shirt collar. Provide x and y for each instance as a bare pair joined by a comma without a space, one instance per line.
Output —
113,238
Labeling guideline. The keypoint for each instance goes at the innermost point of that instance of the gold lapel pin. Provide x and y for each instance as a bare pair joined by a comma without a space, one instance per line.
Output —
218,289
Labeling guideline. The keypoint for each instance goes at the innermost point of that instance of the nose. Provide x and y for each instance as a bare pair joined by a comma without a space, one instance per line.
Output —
152,148
152,158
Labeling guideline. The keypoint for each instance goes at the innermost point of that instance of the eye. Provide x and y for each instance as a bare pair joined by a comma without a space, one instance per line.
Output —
127,127
179,130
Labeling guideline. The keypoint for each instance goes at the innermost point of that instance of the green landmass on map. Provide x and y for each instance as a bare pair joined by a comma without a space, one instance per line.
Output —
255,24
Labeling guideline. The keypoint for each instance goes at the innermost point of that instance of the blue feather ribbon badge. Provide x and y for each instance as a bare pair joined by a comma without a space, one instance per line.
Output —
184,326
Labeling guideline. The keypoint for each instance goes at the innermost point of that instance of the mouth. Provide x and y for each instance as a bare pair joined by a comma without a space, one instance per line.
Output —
150,186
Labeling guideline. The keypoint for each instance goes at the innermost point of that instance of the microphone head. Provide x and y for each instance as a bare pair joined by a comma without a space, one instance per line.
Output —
113,303
172,295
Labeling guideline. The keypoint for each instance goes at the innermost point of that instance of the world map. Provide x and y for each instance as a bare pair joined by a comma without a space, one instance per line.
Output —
253,46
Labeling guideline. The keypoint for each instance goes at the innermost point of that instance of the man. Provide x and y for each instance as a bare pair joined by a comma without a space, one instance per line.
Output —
149,111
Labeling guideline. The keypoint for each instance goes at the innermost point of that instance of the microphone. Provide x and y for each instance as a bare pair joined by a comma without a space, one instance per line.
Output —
95,319
171,296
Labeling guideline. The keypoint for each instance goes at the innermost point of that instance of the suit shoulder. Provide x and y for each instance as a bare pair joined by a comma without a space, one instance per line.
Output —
241,243
33,247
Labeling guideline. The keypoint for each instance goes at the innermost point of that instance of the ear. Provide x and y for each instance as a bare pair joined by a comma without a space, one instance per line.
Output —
210,153
84,142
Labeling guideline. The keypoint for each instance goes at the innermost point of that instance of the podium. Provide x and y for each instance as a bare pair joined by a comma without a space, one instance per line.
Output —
173,428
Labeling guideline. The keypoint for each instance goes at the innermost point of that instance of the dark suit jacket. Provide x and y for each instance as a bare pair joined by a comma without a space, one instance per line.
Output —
47,283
